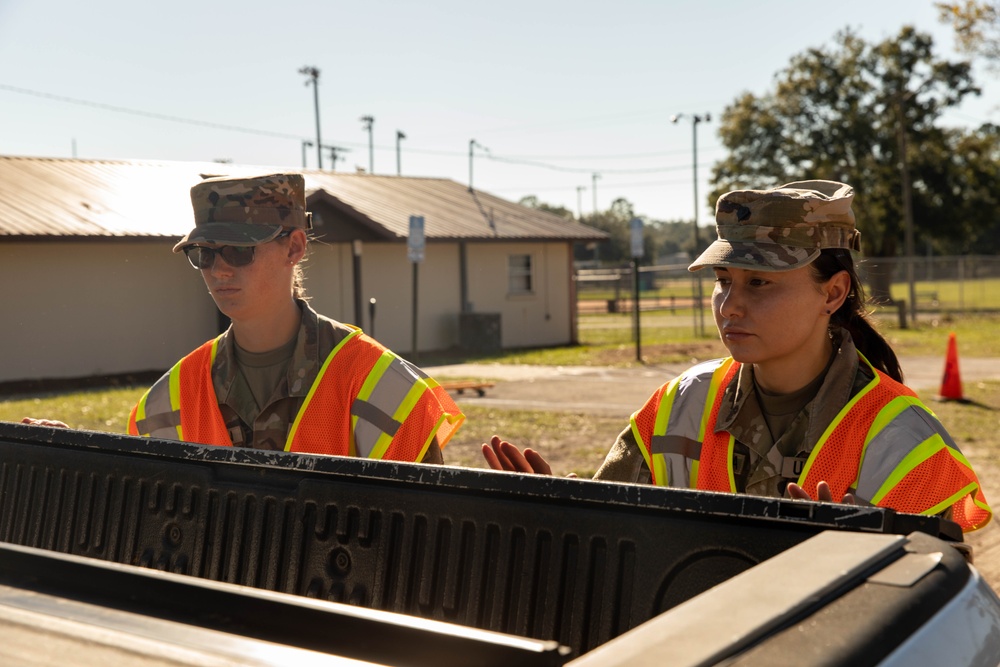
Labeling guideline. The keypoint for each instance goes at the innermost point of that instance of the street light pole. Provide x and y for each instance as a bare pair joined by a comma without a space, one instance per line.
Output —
593,178
399,163
904,176
313,74
579,199
695,119
369,121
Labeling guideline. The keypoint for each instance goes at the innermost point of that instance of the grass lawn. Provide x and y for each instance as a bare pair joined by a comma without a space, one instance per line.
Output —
607,340
664,342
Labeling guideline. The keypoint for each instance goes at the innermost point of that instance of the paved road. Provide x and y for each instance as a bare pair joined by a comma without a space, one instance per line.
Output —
620,391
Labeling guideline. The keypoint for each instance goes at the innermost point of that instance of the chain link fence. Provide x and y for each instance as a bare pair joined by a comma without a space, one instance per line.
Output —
675,302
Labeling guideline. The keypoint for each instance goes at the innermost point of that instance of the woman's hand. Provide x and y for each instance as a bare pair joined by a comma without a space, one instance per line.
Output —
796,492
502,455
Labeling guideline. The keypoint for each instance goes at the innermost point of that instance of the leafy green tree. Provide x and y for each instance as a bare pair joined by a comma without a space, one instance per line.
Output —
661,239
967,181
531,201
614,221
977,28
858,112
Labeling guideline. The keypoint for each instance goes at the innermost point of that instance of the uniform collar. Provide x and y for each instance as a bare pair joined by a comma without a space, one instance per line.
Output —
832,395
302,369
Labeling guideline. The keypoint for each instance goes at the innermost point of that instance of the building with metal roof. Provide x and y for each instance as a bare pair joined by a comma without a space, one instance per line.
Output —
89,286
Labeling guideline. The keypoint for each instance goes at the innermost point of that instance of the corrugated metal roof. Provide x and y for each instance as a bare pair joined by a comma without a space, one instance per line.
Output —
60,197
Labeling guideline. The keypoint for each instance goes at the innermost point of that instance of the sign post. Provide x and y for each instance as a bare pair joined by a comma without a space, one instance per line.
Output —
635,229
415,253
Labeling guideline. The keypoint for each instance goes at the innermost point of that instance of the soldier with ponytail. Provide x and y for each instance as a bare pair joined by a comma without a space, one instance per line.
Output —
810,403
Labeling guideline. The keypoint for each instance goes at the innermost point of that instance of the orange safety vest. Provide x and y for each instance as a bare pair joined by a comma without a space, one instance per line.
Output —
365,402
884,443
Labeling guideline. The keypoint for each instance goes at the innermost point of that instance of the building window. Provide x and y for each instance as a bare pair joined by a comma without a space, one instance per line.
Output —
519,274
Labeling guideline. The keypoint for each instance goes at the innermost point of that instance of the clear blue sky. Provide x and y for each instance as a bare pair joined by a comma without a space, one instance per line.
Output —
586,85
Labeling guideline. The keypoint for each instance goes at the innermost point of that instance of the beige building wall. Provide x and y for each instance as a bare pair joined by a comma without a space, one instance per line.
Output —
539,318
82,309
387,276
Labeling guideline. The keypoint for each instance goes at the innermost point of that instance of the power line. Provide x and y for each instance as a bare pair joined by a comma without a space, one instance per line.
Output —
612,184
591,120
621,156
532,161
581,170
150,114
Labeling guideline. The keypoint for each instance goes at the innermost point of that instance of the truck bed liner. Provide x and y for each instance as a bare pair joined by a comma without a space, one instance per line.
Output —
575,561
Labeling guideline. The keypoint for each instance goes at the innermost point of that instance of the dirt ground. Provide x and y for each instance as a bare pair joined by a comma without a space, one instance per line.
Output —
602,398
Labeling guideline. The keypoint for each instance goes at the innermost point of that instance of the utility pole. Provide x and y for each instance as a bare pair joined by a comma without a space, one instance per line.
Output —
593,179
369,121
334,155
695,119
399,167
904,176
305,145
472,145
313,75
579,200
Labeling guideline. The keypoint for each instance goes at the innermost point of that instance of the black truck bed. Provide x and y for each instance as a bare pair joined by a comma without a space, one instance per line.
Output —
573,561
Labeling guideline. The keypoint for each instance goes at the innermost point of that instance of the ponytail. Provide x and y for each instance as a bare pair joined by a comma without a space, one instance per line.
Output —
853,315
298,276
298,282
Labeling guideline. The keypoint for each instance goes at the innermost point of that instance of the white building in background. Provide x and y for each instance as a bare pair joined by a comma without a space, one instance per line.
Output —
89,285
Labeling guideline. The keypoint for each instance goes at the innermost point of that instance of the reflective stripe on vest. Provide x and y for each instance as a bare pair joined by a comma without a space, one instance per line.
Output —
195,423
715,470
858,450
671,425
396,414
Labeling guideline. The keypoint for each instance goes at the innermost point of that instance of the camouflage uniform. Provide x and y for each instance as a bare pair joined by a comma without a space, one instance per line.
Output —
317,337
248,212
781,229
762,465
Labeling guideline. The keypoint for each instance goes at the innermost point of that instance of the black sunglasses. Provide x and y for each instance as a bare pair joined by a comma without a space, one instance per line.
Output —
235,256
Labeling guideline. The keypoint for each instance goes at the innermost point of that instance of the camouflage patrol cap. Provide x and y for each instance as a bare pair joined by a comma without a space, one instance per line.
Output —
246,211
783,228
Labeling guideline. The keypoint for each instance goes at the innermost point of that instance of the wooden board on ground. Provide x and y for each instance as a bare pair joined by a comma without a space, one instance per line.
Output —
460,387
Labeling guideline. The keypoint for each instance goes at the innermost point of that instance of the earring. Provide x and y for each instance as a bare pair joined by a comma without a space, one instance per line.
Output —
828,312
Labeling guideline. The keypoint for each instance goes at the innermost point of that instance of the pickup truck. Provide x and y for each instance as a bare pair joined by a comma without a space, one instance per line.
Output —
120,550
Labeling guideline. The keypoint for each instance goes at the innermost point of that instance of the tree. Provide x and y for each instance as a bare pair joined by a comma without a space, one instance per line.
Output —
667,238
969,176
977,28
844,113
614,221
531,201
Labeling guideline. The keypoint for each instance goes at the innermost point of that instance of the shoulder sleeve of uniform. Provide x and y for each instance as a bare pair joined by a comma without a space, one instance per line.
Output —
624,462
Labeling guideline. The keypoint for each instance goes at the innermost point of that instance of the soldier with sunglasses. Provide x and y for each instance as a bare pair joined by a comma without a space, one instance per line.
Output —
283,377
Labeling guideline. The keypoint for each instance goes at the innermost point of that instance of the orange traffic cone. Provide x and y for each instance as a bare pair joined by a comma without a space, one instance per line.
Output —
951,384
